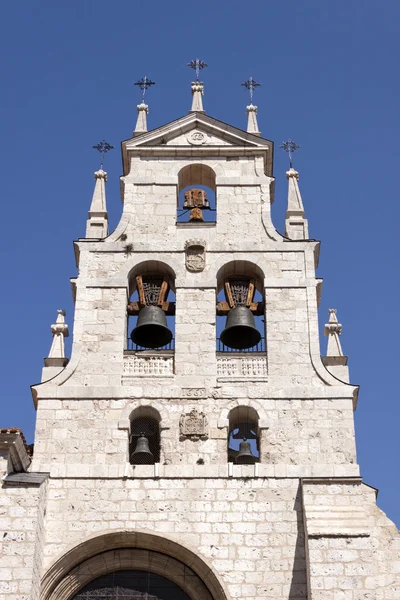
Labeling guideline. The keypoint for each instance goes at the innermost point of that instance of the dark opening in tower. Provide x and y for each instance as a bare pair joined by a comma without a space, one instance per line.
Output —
240,309
196,195
151,309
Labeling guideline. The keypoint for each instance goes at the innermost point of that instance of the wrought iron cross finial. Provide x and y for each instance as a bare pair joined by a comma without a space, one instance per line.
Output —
103,147
197,65
290,146
251,84
144,83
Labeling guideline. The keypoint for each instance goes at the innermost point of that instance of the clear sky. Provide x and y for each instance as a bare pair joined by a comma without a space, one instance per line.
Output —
330,81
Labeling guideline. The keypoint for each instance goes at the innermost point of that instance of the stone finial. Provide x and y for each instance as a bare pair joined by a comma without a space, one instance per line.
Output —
97,223
335,361
296,225
59,331
252,125
332,330
197,100
141,123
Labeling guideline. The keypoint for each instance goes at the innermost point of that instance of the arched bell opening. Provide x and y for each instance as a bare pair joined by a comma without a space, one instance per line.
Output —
196,195
144,436
151,308
240,308
243,436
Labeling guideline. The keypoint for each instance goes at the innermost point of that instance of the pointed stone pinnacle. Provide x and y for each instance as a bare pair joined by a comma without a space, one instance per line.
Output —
97,223
333,330
296,225
59,331
197,93
141,123
252,125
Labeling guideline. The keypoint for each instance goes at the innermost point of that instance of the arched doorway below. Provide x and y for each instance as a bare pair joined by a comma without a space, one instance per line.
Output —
131,585
132,551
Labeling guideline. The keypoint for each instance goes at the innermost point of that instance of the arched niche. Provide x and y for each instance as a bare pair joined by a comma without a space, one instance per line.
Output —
151,282
135,550
201,178
243,423
241,283
145,420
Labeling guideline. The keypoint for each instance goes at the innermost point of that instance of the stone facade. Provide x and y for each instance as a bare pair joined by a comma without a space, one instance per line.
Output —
299,523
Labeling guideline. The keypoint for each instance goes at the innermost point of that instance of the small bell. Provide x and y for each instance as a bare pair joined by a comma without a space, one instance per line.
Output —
142,454
245,456
240,331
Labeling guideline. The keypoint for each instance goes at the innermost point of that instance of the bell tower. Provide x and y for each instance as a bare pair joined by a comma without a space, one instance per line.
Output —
196,434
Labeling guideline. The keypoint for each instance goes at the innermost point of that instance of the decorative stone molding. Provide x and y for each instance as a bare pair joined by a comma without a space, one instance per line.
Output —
135,559
193,425
14,449
195,259
254,367
148,366
197,138
102,553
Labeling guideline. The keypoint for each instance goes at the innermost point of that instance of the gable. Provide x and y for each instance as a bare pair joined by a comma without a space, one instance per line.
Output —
197,129
197,137
194,133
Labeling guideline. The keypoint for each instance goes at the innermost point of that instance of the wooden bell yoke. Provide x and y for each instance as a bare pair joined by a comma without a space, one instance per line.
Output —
232,300
148,297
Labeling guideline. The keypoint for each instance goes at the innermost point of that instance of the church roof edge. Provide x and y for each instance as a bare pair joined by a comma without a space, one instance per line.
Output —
144,140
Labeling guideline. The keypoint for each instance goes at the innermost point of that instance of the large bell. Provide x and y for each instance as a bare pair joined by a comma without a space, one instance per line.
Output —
142,454
245,456
240,331
151,330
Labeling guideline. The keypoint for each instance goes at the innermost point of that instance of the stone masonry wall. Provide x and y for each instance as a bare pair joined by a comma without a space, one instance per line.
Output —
22,534
250,531
298,437
353,549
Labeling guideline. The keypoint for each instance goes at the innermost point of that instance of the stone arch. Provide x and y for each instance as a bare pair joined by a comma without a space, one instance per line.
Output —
223,420
242,268
217,167
156,409
196,173
134,263
105,553
153,267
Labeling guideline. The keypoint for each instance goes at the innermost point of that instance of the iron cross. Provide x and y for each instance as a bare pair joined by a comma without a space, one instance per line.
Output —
103,147
251,84
290,146
144,83
197,65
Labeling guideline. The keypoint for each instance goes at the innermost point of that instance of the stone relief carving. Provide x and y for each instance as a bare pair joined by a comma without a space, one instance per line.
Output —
242,367
193,425
197,138
194,392
195,255
148,365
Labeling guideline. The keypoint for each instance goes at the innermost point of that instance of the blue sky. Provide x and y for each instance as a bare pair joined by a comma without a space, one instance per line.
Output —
329,74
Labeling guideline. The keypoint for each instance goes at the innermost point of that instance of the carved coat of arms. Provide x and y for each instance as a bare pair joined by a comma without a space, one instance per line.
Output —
193,425
195,255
